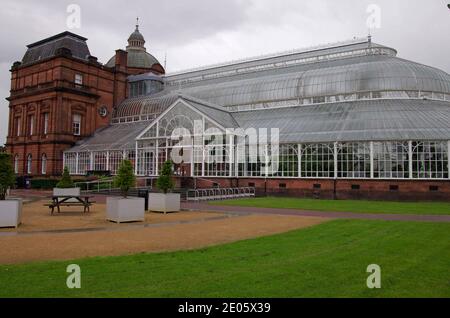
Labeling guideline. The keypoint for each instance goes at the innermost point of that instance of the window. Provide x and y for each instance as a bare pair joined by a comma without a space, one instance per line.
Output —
103,111
391,160
78,79
16,164
18,126
430,160
70,161
100,161
393,187
29,164
45,123
354,160
31,125
77,125
434,188
288,161
44,164
318,161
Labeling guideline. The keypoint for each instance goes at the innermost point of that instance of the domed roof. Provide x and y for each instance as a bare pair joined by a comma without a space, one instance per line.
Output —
136,36
138,57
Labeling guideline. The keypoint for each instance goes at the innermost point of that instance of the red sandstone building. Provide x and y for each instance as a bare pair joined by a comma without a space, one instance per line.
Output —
61,94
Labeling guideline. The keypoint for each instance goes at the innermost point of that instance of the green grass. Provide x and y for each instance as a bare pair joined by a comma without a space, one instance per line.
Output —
379,207
328,260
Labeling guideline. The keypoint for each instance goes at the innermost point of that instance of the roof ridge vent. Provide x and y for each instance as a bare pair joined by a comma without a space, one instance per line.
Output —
355,40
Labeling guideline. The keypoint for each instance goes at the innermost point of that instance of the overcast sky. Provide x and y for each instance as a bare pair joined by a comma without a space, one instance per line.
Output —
200,32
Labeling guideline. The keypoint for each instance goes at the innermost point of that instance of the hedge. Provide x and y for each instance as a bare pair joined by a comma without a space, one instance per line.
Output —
43,183
47,184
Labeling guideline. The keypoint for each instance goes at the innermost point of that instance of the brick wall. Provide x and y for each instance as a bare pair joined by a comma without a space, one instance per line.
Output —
341,189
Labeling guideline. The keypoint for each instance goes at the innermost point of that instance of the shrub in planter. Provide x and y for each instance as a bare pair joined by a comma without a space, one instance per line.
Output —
165,182
10,210
125,209
165,202
125,178
66,181
66,187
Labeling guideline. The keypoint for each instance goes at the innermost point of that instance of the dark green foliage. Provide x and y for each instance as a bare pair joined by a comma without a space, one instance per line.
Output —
7,176
125,178
66,181
44,183
47,184
165,182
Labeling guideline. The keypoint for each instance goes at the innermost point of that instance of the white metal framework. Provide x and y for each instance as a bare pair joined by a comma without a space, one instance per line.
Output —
211,151
363,160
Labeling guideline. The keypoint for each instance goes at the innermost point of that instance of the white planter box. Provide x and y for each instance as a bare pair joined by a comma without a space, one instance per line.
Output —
160,202
10,213
122,210
64,192
67,192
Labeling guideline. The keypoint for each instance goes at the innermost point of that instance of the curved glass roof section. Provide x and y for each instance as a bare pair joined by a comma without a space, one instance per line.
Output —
335,74
370,120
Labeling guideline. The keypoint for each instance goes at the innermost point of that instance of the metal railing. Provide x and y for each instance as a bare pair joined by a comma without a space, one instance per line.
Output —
107,185
214,194
96,185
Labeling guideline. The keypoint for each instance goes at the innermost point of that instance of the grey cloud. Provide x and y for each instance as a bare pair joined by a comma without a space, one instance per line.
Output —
198,32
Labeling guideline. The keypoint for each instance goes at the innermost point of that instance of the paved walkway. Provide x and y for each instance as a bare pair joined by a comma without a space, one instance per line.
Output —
38,194
292,212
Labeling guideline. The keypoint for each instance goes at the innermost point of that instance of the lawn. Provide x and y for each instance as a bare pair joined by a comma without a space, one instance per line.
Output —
328,260
379,207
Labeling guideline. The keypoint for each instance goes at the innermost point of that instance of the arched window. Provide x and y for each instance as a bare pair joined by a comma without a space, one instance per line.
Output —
44,164
29,164
16,164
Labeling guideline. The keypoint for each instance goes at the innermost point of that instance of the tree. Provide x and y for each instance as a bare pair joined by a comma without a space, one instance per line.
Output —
165,182
125,178
7,176
66,181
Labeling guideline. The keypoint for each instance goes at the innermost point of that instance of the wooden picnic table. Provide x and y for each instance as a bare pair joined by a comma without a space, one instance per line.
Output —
70,200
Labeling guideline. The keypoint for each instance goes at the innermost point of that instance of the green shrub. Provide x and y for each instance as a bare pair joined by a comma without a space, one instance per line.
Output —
125,178
7,176
44,183
66,181
165,182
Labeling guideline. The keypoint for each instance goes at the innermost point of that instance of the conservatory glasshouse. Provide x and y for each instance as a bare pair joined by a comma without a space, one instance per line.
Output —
352,110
